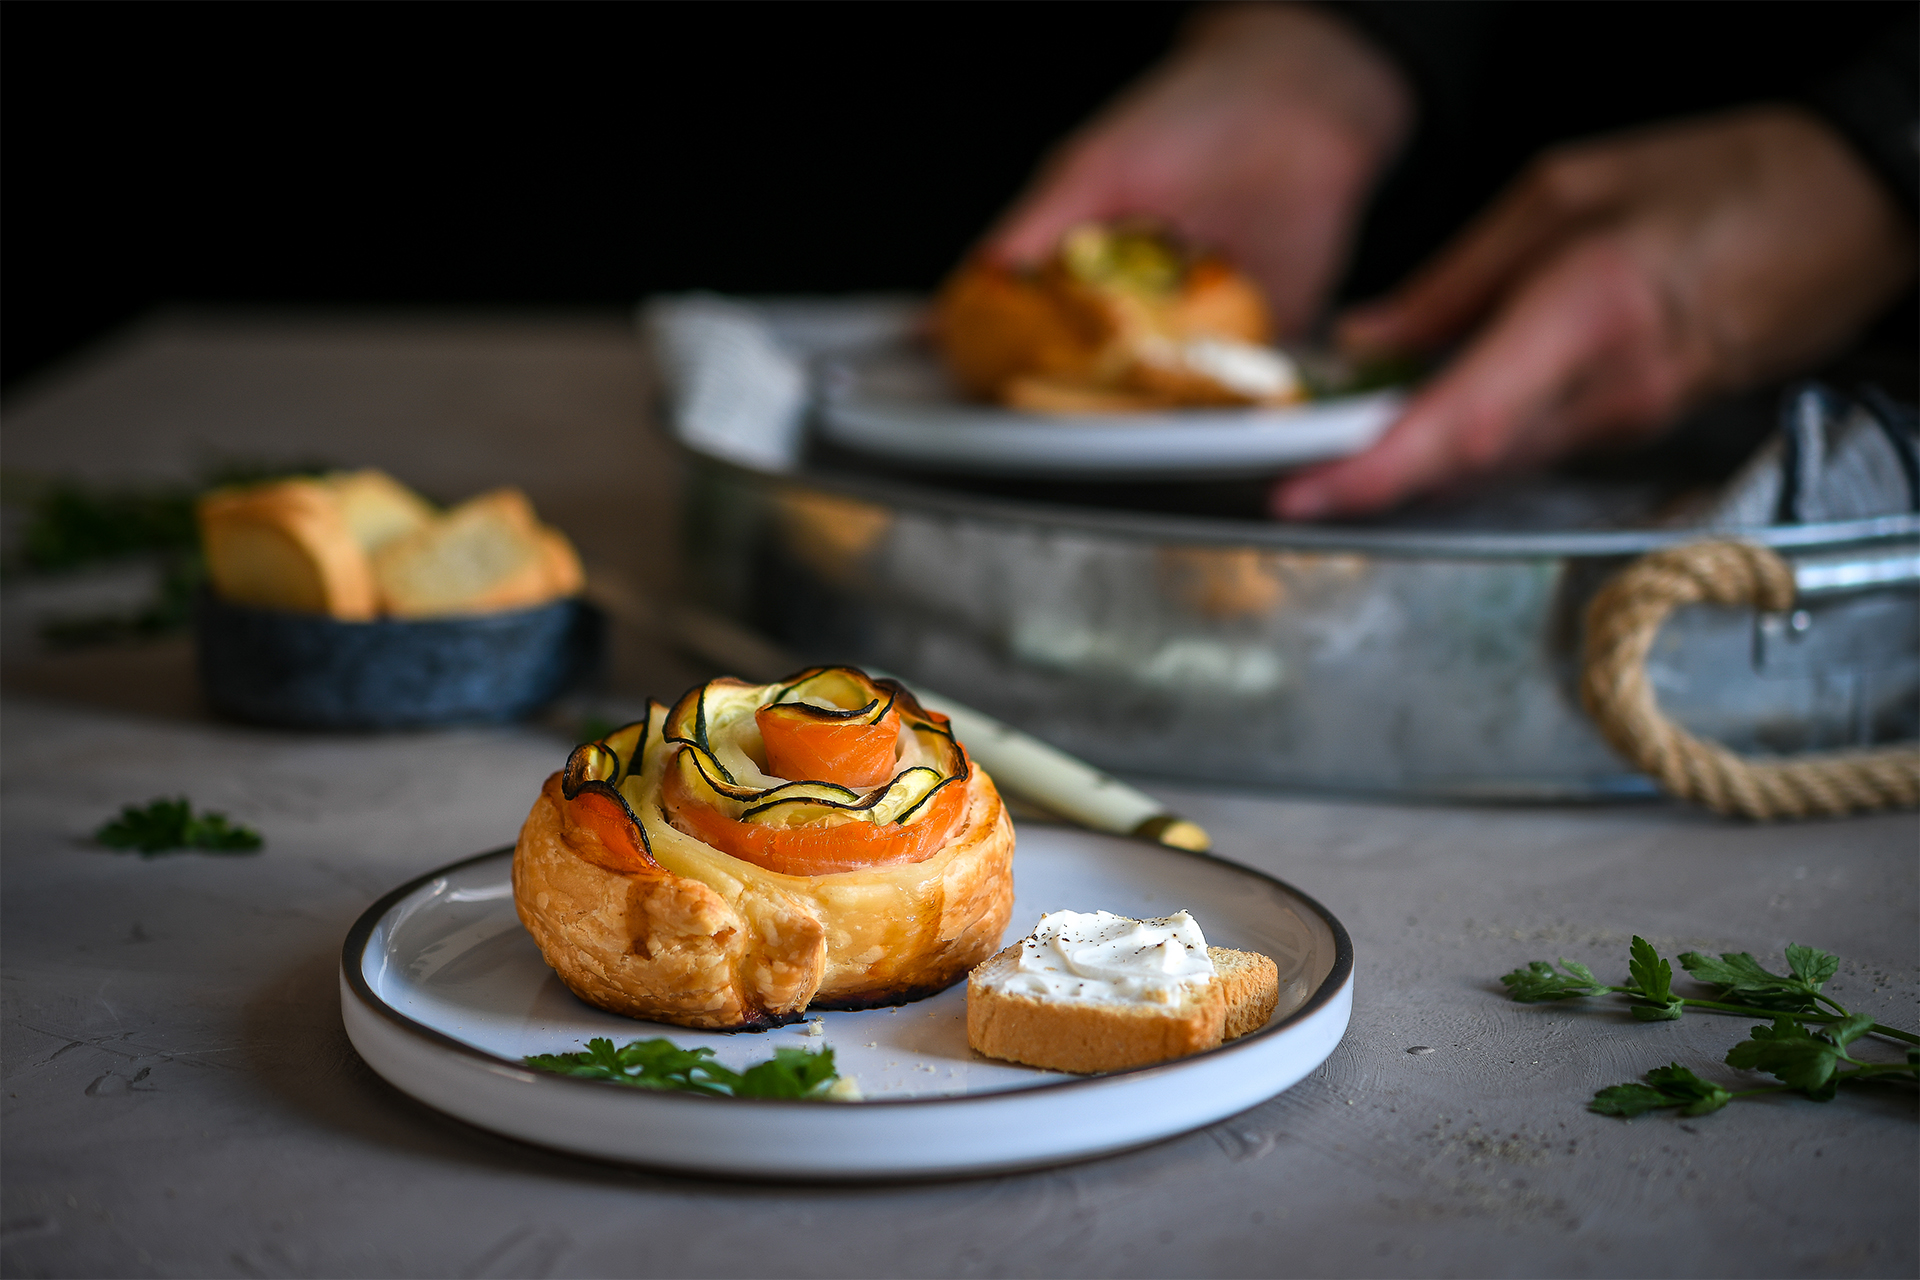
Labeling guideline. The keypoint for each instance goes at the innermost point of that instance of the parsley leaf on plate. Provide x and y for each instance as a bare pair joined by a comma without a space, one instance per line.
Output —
792,1073
661,1064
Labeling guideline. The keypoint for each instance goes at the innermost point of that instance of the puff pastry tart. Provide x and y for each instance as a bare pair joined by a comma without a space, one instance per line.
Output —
757,850
1122,316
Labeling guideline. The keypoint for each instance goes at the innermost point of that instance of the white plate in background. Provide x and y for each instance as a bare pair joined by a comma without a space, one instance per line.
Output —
443,993
897,403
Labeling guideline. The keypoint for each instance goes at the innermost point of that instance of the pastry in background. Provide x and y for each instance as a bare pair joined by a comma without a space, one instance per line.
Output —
833,535
357,545
1123,316
1222,582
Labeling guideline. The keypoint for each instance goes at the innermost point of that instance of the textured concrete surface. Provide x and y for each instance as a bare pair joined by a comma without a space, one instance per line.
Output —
180,1099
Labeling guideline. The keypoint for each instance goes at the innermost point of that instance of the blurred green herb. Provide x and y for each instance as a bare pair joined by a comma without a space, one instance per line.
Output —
662,1064
592,728
70,526
1328,374
1805,1048
1377,373
165,825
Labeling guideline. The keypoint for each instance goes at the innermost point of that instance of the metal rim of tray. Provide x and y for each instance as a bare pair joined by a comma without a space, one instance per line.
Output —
1154,526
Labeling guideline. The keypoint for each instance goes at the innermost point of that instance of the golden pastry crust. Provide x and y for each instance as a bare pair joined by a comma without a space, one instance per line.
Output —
1098,327
687,934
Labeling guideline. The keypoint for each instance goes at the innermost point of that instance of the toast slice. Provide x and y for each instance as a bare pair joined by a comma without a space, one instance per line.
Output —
1086,1036
565,577
1037,394
378,508
488,553
1250,984
285,546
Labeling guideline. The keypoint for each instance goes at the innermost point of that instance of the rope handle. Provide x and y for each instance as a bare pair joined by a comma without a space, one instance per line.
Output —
1622,621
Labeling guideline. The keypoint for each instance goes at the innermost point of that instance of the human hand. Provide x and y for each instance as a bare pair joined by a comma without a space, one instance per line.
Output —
1617,283
1259,137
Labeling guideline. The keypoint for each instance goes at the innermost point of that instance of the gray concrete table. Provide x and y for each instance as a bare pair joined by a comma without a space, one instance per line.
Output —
180,1098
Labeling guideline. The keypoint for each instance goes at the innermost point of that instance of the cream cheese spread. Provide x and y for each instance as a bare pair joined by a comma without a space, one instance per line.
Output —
1099,956
1259,373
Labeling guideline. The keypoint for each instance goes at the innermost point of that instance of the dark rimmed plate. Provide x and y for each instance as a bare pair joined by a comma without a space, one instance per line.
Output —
443,993
898,404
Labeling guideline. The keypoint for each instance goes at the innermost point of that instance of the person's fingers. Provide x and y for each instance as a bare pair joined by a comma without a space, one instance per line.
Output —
1521,390
1558,195
1081,188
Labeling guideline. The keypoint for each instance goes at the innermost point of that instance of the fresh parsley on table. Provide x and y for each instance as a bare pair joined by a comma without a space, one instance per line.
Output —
662,1064
164,825
1805,1047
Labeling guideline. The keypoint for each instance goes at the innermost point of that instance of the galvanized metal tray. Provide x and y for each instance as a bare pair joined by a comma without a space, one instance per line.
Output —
1381,660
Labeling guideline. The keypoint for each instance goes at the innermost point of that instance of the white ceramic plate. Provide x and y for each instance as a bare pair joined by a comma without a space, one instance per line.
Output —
898,404
443,993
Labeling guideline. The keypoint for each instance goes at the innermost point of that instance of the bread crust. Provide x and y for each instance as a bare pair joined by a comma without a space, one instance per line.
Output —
561,562
702,939
285,546
1250,983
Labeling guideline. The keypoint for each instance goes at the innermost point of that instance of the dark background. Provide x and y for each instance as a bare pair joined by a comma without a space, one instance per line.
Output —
565,155
508,154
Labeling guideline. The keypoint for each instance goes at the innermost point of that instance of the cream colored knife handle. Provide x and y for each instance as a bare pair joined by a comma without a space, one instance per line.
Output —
1021,766
1028,768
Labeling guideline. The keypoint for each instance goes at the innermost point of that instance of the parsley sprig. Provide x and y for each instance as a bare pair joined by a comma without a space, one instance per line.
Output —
662,1064
1805,1047
165,825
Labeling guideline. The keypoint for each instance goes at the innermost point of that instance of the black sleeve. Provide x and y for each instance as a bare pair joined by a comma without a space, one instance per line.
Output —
1875,104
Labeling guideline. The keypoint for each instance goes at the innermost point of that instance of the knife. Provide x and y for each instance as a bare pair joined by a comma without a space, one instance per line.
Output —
1021,765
